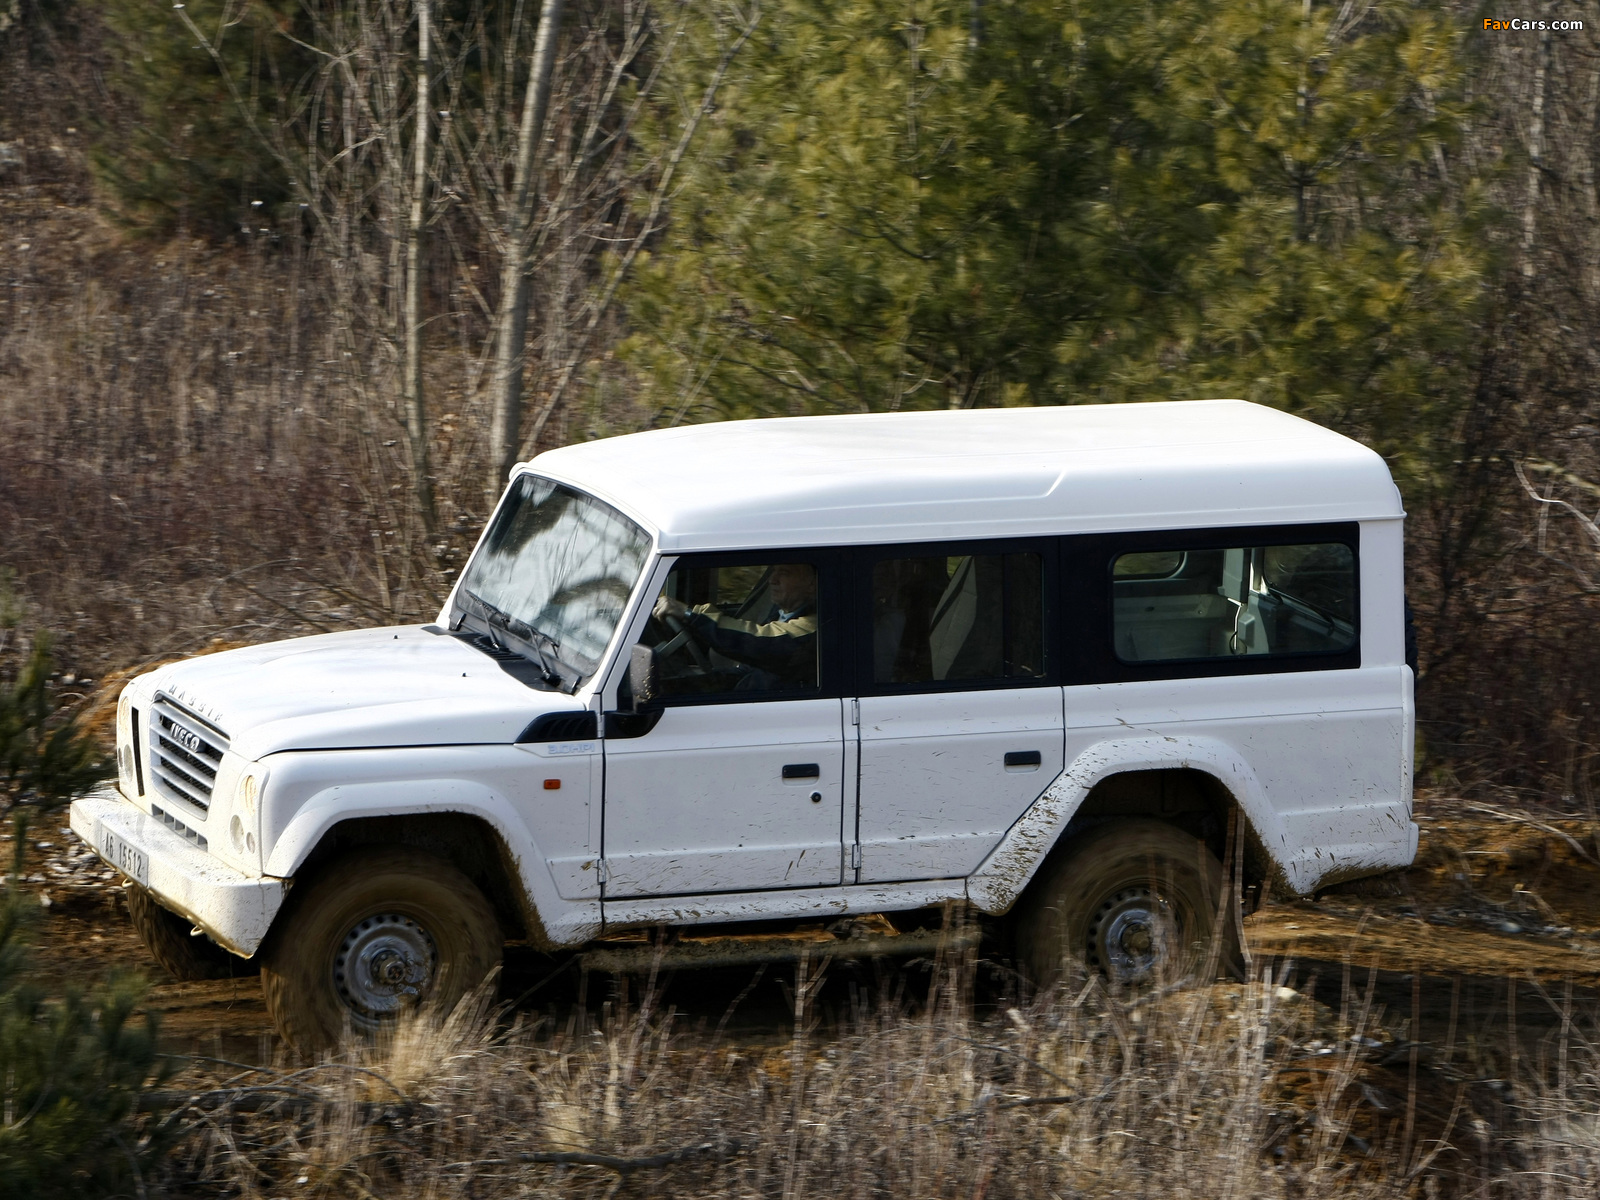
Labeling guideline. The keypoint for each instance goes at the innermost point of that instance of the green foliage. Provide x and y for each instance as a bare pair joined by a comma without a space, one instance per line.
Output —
45,759
71,1069
1034,202
71,1075
856,231
186,154
1339,280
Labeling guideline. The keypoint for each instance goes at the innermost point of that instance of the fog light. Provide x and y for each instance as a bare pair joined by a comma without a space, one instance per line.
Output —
236,832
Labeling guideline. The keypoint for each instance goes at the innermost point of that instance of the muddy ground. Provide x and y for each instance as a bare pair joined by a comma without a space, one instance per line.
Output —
1496,928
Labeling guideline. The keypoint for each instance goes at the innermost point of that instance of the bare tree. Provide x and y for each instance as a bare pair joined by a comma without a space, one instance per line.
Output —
737,29
574,205
536,169
511,328
416,409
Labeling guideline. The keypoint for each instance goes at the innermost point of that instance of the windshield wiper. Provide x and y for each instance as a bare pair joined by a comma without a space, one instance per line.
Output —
498,618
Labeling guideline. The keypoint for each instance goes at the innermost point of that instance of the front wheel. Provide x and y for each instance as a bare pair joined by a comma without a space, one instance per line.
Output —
184,955
374,934
1137,901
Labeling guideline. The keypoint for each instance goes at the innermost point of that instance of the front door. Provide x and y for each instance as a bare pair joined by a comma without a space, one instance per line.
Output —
739,784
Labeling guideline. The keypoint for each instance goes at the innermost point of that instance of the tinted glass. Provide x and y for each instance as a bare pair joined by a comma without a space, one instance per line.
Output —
748,631
562,563
1228,602
957,618
1154,564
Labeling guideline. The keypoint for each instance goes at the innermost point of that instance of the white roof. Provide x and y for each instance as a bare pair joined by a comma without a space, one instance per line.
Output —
927,476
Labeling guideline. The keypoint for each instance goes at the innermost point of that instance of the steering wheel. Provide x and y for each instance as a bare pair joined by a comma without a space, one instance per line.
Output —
683,639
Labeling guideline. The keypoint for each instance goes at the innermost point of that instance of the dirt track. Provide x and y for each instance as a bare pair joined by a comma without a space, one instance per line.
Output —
1496,926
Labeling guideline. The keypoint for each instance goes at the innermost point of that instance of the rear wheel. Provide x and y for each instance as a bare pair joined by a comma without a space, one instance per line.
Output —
183,955
374,934
1137,901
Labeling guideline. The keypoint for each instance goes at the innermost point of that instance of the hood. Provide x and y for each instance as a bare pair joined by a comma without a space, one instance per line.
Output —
404,686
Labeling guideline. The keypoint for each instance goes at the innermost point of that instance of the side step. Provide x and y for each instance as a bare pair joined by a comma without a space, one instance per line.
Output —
638,954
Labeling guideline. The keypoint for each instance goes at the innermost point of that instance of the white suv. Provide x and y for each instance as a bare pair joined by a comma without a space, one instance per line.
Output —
1053,662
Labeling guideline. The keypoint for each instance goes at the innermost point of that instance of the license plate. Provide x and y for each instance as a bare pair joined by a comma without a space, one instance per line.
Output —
130,860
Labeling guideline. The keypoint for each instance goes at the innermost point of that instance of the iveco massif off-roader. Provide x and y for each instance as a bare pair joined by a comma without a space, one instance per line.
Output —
816,671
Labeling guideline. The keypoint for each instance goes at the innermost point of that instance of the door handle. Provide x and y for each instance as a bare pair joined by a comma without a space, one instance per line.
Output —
802,771
1024,758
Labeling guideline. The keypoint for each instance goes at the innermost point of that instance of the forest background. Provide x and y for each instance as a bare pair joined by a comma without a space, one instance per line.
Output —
271,330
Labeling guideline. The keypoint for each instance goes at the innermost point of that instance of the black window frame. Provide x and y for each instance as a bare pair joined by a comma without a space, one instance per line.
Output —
1088,628
859,572
833,650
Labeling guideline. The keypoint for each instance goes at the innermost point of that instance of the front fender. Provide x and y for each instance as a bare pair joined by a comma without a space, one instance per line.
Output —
1011,866
555,921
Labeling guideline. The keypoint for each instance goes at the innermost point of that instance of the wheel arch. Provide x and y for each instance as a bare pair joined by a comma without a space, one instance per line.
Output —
467,841
1190,782
471,827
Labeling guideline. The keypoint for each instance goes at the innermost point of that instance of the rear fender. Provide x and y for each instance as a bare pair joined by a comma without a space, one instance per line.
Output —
1011,866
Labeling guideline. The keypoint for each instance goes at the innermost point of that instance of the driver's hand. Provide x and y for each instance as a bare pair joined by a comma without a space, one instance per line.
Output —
667,606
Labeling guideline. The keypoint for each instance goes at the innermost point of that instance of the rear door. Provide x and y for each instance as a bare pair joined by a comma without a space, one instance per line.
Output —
960,714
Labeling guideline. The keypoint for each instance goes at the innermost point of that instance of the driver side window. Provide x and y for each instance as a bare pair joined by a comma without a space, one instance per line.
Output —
743,631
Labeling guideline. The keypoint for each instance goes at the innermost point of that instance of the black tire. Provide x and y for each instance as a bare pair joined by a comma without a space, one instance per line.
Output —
1138,901
375,932
185,957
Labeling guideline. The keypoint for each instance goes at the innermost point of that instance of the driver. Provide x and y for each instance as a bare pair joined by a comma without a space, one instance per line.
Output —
783,645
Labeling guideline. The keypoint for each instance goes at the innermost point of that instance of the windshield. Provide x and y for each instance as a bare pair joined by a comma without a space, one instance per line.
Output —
560,563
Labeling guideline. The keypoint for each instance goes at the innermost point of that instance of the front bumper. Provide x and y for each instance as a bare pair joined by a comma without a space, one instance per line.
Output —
235,909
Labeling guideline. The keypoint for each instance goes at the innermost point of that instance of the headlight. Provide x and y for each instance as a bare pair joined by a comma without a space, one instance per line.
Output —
242,828
126,775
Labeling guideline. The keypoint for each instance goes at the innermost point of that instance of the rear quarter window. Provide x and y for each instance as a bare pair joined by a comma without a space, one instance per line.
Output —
1231,602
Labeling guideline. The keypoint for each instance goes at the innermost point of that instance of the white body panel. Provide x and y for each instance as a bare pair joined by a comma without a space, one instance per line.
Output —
700,804
364,687
553,833
1319,762
694,819
936,795
823,903
926,476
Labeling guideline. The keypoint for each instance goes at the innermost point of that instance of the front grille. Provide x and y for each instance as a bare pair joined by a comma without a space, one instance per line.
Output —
185,752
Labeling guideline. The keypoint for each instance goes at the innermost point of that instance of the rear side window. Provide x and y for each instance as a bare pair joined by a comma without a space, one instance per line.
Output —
1196,604
964,618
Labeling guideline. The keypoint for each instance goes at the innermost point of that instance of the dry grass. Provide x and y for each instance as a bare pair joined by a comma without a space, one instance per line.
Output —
1246,1090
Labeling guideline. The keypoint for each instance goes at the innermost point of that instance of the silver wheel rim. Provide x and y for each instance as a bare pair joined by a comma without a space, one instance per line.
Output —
385,963
1133,936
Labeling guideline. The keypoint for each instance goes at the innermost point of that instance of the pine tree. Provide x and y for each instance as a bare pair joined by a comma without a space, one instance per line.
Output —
1342,270
1035,202
186,155
861,227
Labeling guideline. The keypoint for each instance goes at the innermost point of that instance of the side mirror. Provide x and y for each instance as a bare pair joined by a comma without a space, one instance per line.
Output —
642,678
